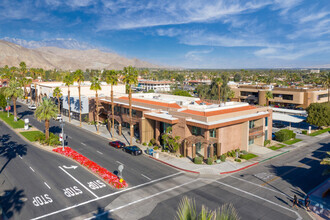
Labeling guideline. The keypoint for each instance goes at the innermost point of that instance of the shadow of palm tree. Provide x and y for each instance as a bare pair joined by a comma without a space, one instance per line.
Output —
25,113
12,201
101,214
10,150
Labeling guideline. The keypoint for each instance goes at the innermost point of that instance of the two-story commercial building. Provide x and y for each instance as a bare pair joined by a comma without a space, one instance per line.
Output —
204,129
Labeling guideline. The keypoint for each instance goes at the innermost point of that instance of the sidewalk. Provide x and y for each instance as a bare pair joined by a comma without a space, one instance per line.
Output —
187,165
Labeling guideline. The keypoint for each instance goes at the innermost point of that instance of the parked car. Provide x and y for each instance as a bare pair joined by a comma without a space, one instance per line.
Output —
32,107
58,118
117,144
278,125
134,150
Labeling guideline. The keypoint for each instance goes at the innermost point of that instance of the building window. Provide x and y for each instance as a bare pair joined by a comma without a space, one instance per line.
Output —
196,131
213,133
266,121
288,97
266,135
251,141
244,93
322,96
251,124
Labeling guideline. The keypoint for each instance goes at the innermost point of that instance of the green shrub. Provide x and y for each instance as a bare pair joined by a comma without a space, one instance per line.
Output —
181,155
223,157
284,135
156,148
144,144
238,160
304,132
237,150
153,141
198,160
209,161
244,152
266,142
150,144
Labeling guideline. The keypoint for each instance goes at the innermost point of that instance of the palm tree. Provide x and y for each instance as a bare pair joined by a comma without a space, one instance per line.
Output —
96,85
187,211
79,78
68,81
219,83
268,95
46,111
24,82
23,68
130,78
14,91
111,77
58,94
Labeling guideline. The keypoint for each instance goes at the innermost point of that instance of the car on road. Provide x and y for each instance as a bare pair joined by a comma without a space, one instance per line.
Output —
58,117
117,144
32,107
134,150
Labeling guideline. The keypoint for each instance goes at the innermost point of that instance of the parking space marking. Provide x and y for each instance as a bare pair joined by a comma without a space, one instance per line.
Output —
106,196
32,169
78,182
84,144
248,193
120,162
145,177
99,152
20,156
47,185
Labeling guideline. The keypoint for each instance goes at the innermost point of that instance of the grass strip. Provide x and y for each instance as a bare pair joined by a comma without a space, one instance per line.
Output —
279,146
319,132
31,135
10,120
248,156
290,142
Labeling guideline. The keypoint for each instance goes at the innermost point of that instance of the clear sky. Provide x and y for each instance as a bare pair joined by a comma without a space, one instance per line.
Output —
185,33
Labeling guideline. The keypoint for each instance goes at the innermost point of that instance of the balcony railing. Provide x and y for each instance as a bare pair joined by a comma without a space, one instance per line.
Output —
256,129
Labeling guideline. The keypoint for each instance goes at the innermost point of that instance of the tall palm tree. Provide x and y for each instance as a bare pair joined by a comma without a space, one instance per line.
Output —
130,78
68,81
58,94
14,91
24,82
23,69
96,85
219,82
268,95
111,77
45,111
79,78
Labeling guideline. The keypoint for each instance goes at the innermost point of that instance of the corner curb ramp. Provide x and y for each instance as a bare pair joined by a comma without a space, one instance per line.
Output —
189,171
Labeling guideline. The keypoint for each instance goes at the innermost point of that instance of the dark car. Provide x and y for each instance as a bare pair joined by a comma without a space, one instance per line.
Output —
134,150
117,144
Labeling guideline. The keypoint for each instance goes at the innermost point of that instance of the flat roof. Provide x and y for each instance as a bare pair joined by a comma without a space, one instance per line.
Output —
219,112
290,111
288,118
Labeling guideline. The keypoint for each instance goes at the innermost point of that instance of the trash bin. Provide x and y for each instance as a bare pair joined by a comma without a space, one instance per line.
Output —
26,125
156,155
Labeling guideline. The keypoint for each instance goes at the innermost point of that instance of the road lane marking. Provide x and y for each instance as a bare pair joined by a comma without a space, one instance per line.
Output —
20,156
106,196
84,144
99,152
145,176
274,203
120,162
145,198
47,185
78,182
287,172
32,169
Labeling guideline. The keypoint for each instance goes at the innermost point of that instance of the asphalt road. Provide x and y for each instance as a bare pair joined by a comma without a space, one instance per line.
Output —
137,169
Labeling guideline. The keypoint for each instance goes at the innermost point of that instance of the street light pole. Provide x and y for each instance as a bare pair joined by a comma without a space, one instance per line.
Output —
62,126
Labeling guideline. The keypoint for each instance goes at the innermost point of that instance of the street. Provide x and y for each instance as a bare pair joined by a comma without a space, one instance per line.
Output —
43,185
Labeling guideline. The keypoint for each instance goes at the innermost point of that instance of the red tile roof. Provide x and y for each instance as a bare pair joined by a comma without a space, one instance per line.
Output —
219,112
168,105
200,101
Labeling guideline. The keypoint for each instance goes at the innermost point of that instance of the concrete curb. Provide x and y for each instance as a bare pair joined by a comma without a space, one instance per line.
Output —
189,171
243,168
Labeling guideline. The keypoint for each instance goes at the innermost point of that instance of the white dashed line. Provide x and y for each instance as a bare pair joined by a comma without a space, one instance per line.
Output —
99,152
32,169
145,177
47,185
83,144
119,162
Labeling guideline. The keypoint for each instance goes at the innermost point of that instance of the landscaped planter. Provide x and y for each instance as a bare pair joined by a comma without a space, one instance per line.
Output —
109,177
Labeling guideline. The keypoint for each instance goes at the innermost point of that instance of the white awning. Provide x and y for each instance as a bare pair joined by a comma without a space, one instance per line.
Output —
290,111
288,118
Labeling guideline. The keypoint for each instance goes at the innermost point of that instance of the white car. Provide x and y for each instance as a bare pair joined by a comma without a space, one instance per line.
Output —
58,118
32,107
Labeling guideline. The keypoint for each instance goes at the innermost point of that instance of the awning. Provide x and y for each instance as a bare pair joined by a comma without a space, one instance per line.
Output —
288,118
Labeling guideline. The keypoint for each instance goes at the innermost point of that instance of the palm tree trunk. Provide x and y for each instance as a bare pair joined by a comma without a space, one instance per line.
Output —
130,115
25,94
79,104
15,112
328,95
69,105
97,112
58,105
219,93
47,129
112,112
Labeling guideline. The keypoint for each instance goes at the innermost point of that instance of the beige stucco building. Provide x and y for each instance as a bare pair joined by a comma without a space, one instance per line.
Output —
204,129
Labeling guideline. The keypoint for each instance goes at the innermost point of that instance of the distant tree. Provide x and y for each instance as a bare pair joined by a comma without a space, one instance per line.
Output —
319,114
23,69
170,141
269,95
237,77
79,78
325,78
96,85
68,81
219,83
3,102
45,111
181,93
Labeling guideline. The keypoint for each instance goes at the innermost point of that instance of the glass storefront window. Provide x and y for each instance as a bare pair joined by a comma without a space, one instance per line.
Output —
251,124
266,121
196,130
198,147
213,133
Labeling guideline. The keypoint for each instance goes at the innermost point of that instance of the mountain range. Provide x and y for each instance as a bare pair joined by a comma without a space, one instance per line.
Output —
12,54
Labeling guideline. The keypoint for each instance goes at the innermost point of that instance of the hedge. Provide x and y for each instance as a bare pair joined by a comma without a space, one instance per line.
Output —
209,161
284,135
198,160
